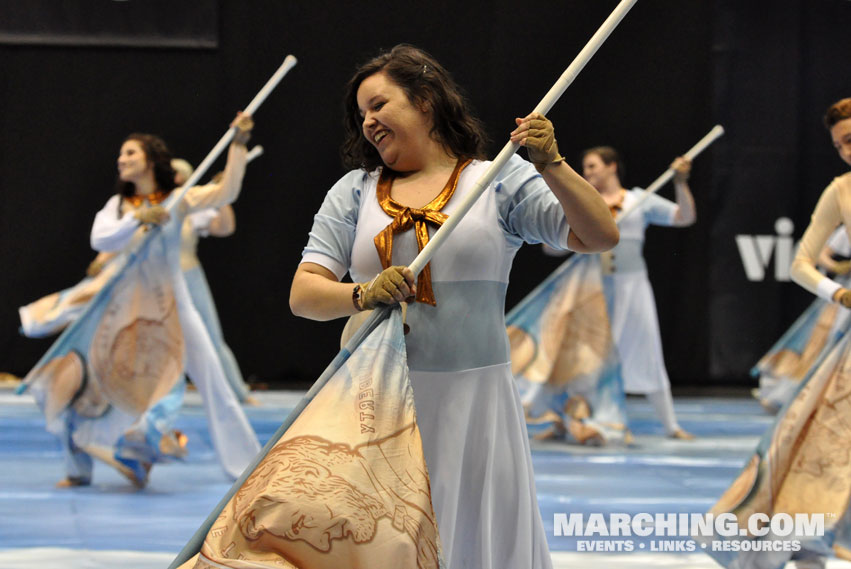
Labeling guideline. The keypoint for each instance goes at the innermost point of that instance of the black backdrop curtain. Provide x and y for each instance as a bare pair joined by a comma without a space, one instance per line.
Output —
778,66
766,70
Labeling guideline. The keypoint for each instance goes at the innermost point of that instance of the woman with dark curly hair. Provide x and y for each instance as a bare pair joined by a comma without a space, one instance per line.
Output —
416,151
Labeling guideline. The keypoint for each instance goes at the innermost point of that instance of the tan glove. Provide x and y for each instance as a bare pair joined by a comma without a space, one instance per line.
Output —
393,284
842,267
536,133
682,168
156,214
844,297
244,124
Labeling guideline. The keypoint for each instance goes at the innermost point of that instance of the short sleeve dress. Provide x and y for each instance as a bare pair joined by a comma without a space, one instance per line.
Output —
468,408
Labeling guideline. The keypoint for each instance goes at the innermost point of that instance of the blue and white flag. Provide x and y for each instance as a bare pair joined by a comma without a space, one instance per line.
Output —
564,358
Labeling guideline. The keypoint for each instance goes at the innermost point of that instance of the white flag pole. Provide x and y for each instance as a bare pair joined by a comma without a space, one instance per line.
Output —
289,63
255,152
713,135
510,148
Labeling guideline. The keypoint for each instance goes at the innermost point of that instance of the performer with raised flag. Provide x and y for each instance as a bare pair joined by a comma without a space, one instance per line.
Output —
415,150
589,331
629,296
343,483
52,313
111,383
800,467
115,394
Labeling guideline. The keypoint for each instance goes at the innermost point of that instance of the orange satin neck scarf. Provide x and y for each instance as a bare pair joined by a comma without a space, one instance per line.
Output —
616,208
405,217
153,199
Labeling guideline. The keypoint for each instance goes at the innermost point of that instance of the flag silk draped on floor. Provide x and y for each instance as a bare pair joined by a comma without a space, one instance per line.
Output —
346,485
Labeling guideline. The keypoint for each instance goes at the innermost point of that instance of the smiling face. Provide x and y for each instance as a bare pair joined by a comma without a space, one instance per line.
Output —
397,128
133,164
840,133
596,171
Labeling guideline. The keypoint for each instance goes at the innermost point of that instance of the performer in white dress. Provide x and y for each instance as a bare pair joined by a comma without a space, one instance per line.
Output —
632,307
415,152
143,186
50,314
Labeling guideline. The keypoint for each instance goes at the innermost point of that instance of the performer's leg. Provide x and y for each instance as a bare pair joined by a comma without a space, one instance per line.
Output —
234,375
151,438
78,465
202,299
232,435
663,403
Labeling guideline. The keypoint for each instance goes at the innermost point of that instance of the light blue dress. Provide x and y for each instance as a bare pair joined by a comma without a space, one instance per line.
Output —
467,404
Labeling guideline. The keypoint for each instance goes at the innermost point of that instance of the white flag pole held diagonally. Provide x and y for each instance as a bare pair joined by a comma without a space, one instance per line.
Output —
202,168
693,152
255,152
194,544
289,63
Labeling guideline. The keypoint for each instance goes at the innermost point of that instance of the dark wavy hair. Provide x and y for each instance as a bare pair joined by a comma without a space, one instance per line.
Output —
608,155
157,152
838,111
425,82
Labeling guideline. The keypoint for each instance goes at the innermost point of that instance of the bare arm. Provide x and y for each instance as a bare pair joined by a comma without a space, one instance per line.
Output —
318,295
96,266
226,190
224,224
686,210
592,228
